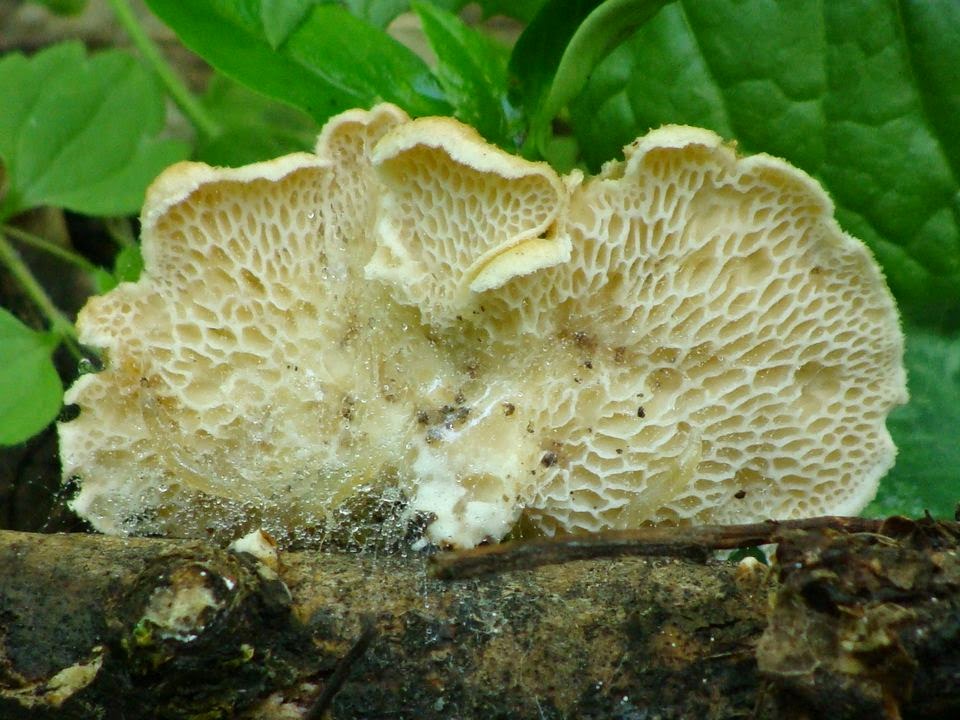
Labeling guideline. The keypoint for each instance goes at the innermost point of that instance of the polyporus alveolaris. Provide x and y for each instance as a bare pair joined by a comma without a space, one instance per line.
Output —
687,337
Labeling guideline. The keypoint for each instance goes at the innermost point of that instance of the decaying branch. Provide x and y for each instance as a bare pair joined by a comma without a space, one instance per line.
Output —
857,620
694,543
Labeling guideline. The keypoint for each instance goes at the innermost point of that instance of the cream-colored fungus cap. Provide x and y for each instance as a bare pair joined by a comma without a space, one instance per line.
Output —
687,337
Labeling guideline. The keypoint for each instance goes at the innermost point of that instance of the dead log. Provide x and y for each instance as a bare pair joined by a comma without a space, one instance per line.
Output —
850,624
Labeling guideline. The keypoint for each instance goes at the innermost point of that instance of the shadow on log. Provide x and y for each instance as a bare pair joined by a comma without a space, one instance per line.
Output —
848,625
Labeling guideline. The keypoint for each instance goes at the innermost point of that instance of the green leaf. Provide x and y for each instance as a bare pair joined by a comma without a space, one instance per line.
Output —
127,267
926,431
330,62
472,70
128,264
30,389
103,281
80,133
555,55
862,94
253,126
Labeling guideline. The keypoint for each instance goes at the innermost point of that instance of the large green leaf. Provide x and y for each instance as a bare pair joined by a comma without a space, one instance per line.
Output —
863,94
472,69
926,431
30,389
80,133
328,62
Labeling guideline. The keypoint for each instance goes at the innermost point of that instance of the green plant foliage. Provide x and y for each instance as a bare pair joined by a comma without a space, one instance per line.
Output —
30,388
253,127
472,70
330,60
80,133
926,431
864,95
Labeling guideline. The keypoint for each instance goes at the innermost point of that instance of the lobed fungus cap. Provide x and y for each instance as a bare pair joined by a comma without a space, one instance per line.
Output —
413,313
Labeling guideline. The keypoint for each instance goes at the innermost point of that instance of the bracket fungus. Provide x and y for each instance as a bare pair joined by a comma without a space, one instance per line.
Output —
687,337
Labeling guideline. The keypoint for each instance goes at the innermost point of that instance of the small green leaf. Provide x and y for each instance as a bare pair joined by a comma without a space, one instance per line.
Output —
472,70
80,133
330,62
862,94
128,264
30,389
926,431
103,281
253,126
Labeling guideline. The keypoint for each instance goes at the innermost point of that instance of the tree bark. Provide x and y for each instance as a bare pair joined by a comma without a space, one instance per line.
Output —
857,625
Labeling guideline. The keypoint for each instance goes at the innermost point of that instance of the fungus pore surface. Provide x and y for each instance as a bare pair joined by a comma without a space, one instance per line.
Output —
414,314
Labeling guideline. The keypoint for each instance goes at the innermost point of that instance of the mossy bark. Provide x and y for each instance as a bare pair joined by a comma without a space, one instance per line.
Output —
854,625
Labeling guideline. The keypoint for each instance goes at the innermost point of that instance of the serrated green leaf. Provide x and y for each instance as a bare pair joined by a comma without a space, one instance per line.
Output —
30,389
472,69
926,431
862,94
80,133
253,126
332,61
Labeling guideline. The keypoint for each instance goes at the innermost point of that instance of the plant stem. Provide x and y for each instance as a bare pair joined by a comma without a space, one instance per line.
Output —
59,323
690,542
49,247
184,99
